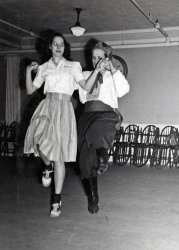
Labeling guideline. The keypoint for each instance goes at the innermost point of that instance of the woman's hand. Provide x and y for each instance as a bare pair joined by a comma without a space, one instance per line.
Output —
100,66
33,66
109,66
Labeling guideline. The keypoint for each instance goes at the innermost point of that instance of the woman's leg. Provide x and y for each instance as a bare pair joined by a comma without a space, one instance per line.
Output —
43,157
46,175
59,176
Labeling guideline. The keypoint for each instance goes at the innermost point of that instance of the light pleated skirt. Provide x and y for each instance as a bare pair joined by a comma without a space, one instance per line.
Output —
53,129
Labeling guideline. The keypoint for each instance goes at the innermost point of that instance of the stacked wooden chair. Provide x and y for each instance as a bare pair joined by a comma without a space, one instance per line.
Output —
8,140
138,147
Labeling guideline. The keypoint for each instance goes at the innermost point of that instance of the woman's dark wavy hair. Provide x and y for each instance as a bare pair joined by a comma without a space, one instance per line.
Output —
46,39
66,53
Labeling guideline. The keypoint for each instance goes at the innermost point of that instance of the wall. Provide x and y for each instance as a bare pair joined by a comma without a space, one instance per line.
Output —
153,76
2,87
154,79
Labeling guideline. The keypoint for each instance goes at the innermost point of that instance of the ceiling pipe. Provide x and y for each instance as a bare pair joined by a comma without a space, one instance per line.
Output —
21,29
149,17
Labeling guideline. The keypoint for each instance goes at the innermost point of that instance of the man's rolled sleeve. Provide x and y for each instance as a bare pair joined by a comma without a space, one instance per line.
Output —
121,84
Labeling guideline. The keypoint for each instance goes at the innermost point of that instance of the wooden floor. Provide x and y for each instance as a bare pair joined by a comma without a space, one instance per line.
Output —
139,210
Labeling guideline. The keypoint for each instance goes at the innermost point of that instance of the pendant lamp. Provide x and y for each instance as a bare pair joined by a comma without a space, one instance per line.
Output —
77,30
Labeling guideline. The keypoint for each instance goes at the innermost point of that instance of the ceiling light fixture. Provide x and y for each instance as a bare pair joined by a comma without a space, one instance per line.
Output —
77,30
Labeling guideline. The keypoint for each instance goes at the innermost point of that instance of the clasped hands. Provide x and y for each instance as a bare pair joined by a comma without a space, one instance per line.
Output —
105,64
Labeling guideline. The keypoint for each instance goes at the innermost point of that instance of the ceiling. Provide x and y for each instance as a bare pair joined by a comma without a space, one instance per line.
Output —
96,16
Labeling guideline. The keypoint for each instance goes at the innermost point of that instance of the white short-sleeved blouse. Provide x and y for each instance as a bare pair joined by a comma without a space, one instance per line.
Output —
62,78
113,87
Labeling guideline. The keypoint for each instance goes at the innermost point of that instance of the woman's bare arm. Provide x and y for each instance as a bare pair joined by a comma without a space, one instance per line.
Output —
88,84
29,83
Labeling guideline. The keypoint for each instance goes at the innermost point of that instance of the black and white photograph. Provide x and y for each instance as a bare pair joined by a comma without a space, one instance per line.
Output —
89,125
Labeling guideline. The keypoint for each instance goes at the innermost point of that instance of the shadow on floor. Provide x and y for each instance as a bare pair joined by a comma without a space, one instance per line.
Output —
139,210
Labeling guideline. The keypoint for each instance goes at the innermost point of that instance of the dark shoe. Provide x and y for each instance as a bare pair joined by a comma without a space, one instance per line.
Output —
88,192
95,197
103,165
94,205
91,190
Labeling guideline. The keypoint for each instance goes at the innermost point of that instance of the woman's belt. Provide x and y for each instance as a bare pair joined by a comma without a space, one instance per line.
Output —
58,96
96,106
